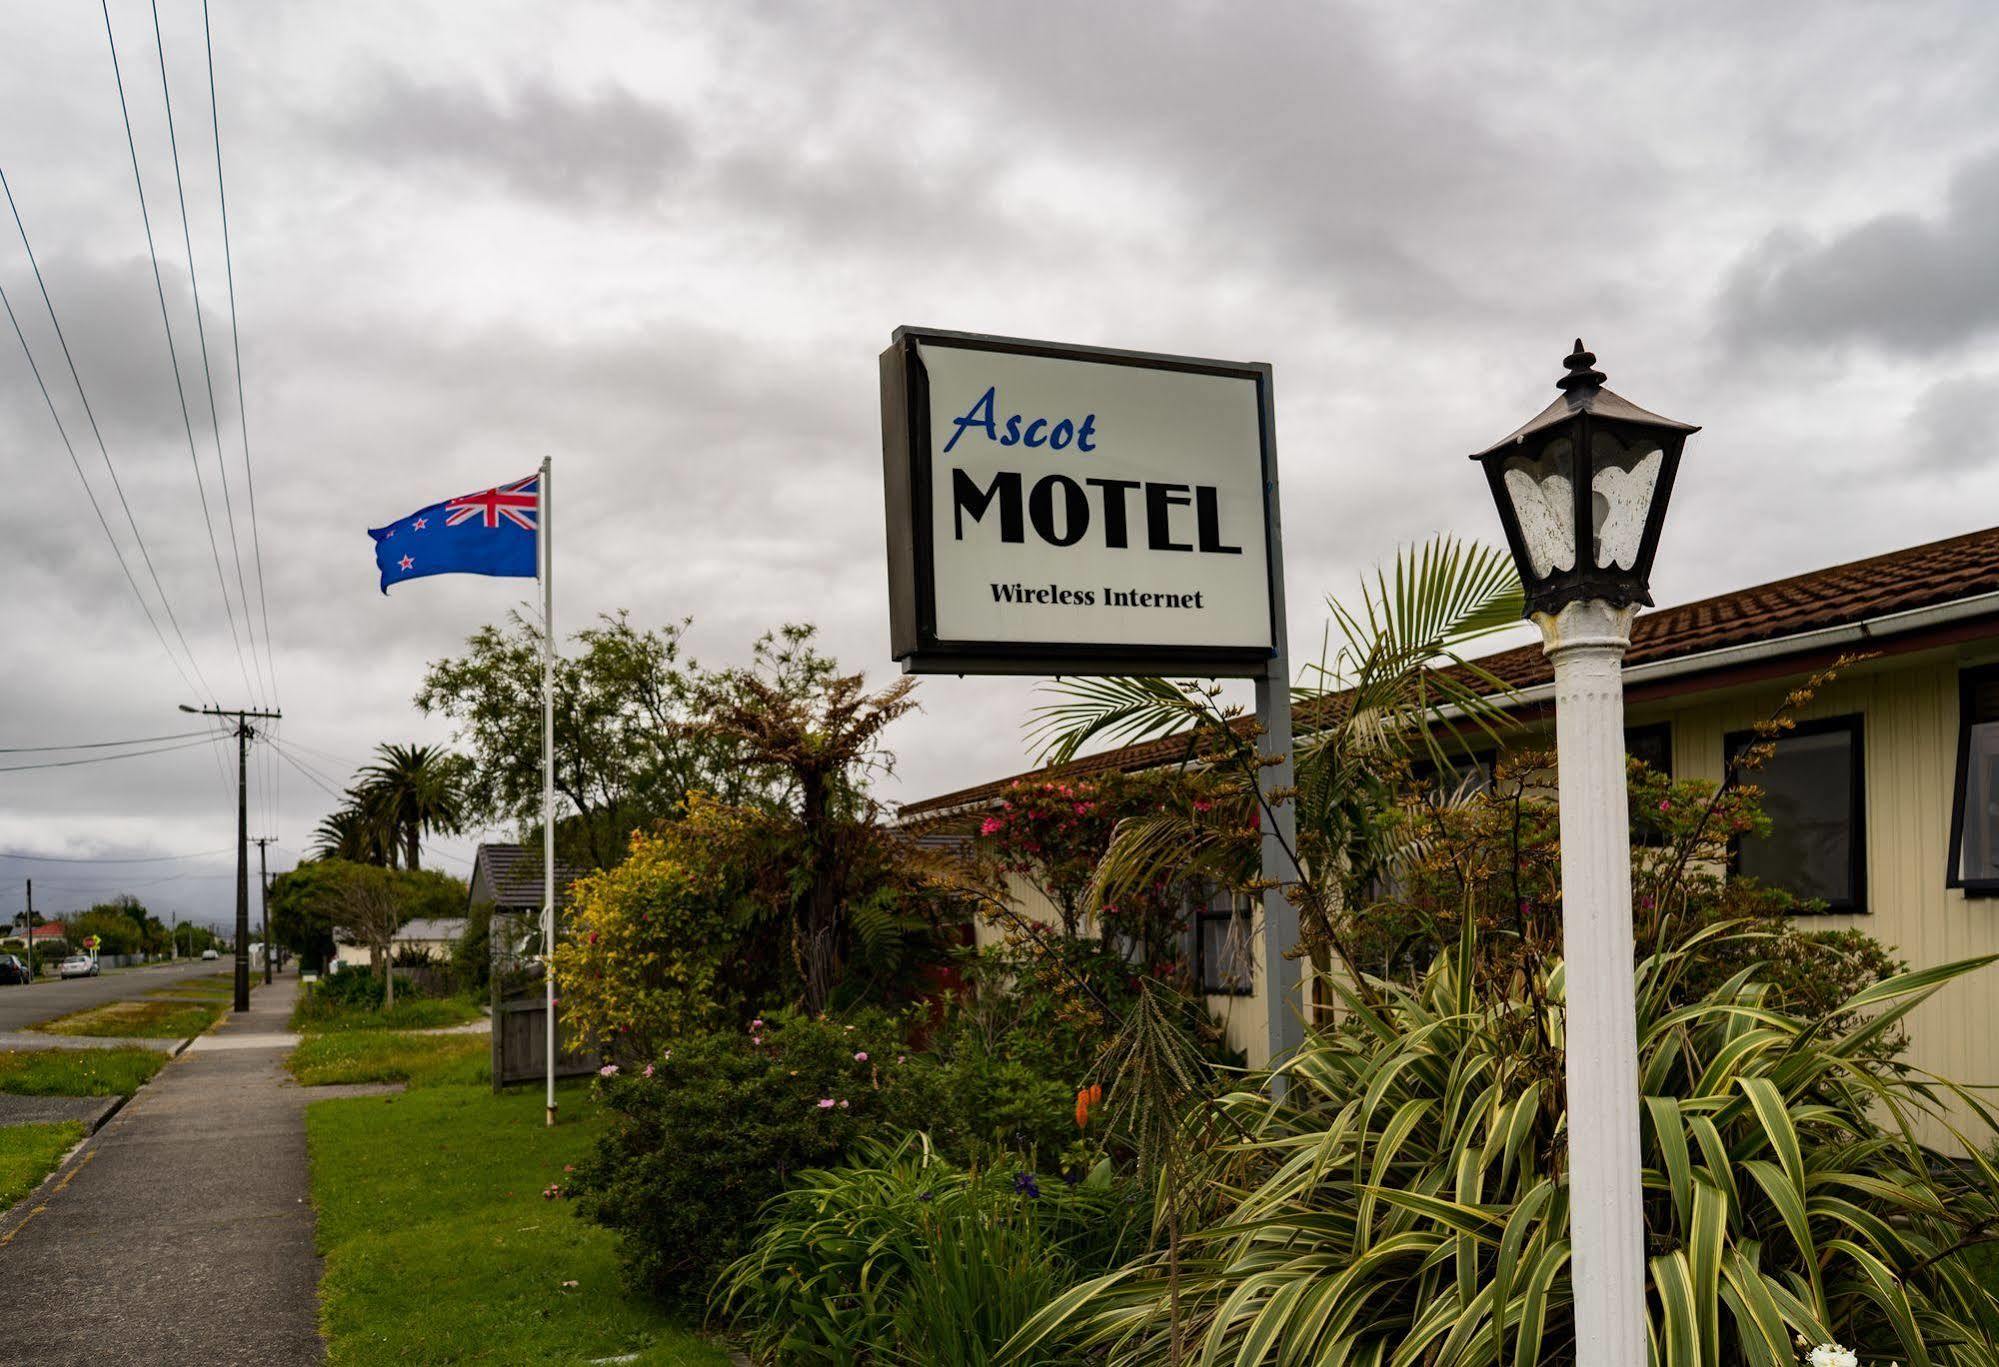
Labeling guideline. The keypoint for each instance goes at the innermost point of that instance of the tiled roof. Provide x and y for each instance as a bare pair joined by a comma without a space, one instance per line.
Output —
1861,590
514,875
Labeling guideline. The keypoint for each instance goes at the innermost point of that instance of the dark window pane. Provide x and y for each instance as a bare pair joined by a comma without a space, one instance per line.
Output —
1978,854
1651,745
1808,794
1226,963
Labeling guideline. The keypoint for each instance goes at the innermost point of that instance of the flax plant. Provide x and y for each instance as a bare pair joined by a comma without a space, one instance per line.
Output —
1409,1208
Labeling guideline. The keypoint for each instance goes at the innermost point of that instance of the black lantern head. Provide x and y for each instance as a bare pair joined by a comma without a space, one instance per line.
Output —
1582,490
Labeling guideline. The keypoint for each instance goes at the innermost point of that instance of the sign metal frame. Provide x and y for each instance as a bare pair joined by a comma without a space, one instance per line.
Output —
907,464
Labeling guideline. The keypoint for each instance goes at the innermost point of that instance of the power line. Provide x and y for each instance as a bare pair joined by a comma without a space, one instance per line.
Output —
101,759
201,335
236,348
97,744
173,353
315,779
90,493
88,412
134,859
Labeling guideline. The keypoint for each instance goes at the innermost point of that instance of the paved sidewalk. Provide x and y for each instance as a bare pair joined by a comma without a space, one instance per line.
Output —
181,1233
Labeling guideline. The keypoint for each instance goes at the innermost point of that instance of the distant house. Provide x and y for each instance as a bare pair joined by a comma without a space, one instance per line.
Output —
508,878
435,937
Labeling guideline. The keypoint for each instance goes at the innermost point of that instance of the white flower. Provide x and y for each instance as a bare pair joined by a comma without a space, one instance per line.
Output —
1832,1355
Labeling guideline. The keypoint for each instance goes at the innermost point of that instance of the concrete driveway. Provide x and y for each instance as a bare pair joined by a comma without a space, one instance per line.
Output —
24,1005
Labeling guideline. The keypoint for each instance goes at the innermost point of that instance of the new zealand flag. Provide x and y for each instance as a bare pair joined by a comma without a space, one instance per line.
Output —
484,533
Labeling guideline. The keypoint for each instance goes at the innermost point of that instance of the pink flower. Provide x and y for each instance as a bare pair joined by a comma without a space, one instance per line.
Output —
990,826
826,1103
756,1039
608,1070
1665,805
861,1057
757,1024
647,1072
902,1058
843,1105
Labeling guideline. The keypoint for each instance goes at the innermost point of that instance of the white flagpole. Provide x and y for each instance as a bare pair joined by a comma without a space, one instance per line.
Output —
543,530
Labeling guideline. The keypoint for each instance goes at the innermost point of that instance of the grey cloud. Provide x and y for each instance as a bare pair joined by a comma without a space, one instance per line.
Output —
1903,281
605,147
1952,424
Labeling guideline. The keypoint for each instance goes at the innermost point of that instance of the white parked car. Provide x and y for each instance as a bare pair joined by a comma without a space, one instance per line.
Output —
78,966
210,954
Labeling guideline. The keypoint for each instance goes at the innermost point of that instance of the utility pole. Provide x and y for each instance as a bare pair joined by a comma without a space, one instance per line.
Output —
244,732
264,898
31,929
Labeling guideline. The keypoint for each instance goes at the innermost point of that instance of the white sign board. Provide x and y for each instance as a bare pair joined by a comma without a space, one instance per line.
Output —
1074,510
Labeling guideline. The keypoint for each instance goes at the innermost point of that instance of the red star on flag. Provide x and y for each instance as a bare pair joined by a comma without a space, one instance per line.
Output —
417,525
405,562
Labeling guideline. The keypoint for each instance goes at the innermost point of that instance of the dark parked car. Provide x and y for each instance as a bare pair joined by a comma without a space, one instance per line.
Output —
12,970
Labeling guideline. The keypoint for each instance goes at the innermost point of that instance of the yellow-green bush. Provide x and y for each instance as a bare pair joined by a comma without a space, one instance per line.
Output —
642,957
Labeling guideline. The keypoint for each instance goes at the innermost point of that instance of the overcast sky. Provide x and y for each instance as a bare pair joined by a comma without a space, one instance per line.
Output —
665,243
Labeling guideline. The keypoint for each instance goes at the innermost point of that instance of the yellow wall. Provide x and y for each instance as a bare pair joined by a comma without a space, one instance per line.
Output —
1909,710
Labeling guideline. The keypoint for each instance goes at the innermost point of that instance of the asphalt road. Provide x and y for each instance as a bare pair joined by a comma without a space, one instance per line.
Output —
22,1006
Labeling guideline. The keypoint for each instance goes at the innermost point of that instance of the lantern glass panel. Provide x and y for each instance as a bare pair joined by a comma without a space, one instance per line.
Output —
1542,490
1623,476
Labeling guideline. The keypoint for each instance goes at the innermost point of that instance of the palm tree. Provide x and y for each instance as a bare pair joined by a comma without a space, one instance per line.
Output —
350,833
408,792
1372,710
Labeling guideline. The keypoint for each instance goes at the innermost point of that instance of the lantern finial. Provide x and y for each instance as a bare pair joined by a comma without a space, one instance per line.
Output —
1582,371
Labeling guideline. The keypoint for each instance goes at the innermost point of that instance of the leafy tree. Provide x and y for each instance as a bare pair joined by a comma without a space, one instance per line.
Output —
815,736
628,751
323,899
119,925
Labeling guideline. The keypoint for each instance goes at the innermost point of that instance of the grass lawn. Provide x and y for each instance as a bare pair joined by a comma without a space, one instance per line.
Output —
220,988
313,1016
160,1019
78,1072
28,1153
440,1247
385,1056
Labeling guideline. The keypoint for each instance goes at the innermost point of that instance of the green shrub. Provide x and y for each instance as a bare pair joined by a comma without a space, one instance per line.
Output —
472,956
903,1257
1411,1205
704,1135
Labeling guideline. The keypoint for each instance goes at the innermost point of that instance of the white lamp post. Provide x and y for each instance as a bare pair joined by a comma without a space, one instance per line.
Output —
1582,489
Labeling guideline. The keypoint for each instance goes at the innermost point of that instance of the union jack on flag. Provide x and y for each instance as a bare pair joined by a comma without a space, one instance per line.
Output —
490,532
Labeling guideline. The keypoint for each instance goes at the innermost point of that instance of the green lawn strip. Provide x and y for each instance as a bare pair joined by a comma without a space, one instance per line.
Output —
137,1020
312,1016
28,1153
386,1056
440,1247
78,1072
215,989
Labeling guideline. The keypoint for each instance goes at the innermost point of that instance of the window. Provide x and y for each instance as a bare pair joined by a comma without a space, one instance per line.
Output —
1222,947
1813,796
1653,745
1974,819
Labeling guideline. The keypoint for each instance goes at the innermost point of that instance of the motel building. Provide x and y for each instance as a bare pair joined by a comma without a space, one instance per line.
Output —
1884,799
